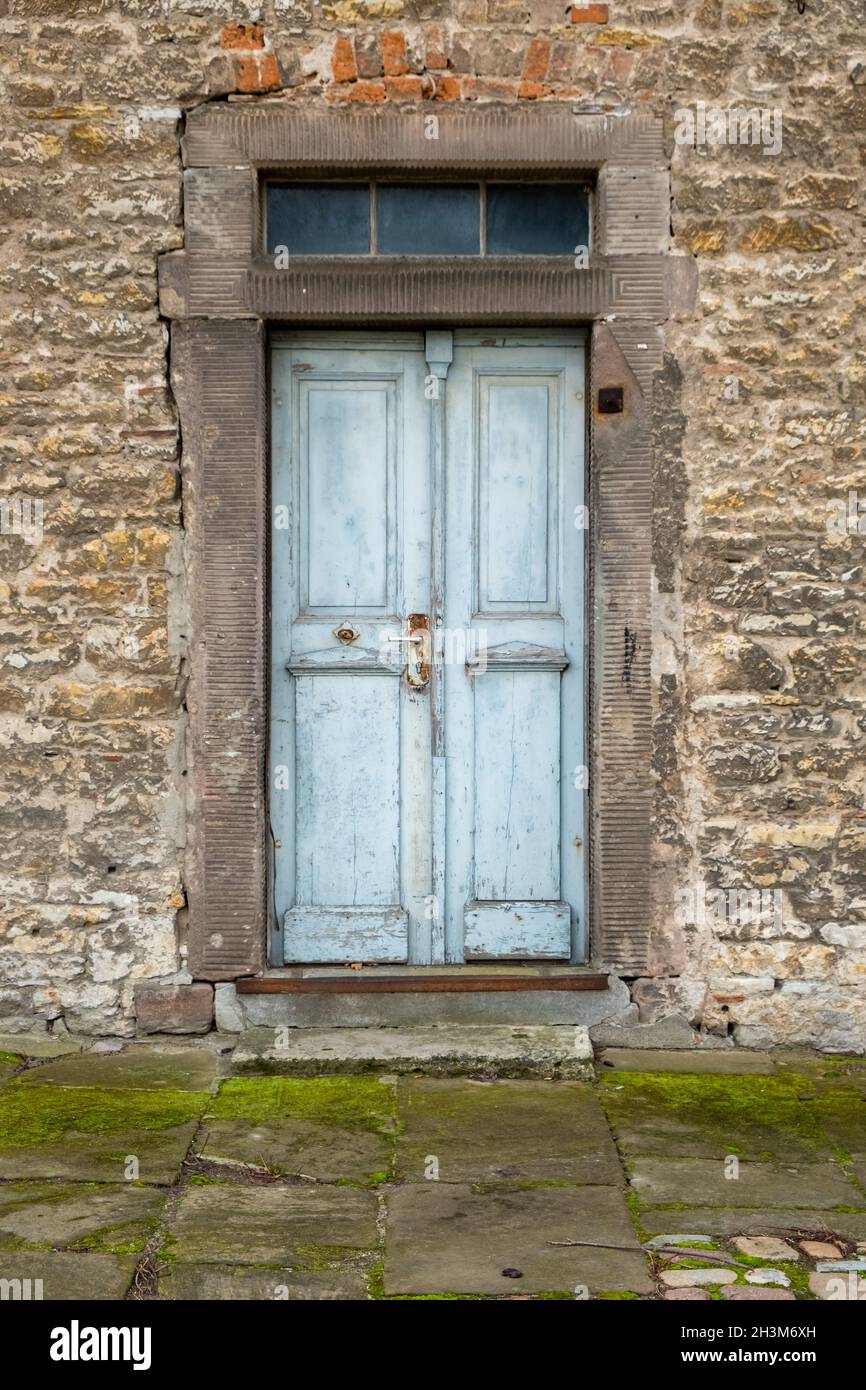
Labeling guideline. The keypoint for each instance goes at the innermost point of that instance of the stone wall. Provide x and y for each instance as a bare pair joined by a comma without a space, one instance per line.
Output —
760,426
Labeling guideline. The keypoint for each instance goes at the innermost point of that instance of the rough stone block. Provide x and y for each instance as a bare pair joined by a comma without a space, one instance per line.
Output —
174,1008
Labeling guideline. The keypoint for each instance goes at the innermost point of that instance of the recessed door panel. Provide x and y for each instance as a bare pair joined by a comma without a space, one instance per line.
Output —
517,474
348,780
347,493
517,785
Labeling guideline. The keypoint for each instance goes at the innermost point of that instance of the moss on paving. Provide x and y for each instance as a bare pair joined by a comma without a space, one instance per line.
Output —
346,1102
321,1259
725,1107
121,1238
129,1238
633,1203
685,1263
34,1115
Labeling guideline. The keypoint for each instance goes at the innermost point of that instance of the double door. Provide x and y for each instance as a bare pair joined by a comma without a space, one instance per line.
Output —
427,760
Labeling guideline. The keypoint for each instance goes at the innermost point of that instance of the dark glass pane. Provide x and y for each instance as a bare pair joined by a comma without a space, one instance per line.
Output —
427,219
319,219
536,219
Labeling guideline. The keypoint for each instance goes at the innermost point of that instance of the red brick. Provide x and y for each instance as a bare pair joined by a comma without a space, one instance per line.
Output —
358,91
531,91
343,61
447,89
394,54
589,14
246,36
260,73
537,58
174,1008
404,88
436,56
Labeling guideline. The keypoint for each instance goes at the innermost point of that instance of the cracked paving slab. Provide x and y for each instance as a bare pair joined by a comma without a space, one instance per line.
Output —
115,1219
336,1128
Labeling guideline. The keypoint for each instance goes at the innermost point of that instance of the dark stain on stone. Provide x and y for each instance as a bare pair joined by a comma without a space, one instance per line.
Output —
629,652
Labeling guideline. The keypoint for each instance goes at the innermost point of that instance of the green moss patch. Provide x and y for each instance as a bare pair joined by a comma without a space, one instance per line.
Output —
346,1102
758,1114
32,1116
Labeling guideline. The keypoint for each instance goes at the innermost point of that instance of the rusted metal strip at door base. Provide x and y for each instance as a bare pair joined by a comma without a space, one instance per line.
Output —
427,984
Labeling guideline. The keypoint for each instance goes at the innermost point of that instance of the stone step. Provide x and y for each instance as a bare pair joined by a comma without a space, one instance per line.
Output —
536,1006
441,1050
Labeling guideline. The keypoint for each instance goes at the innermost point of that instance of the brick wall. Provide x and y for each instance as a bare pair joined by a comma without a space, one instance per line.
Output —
760,424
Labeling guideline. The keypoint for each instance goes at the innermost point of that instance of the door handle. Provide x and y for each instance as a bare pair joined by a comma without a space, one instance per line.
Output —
417,639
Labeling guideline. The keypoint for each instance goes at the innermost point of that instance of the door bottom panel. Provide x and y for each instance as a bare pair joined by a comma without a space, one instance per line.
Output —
517,931
347,933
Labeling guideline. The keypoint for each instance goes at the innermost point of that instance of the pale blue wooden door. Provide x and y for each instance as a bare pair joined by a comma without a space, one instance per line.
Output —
428,819
350,738
515,857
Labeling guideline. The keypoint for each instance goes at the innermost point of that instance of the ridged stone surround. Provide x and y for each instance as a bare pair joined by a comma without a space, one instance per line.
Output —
220,294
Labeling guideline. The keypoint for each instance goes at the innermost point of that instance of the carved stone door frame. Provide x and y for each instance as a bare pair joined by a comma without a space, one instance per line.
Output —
222,292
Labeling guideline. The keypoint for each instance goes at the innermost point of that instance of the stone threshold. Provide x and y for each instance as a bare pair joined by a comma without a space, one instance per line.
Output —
409,979
439,1050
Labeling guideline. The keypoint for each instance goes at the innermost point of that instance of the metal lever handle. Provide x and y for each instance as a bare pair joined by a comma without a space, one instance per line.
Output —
418,655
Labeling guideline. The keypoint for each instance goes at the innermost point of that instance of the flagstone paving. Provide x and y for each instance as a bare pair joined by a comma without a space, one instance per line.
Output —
511,1131
154,1172
83,1216
186,1070
451,1237
66,1275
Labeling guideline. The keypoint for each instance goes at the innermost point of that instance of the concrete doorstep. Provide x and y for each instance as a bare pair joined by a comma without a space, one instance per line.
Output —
445,1050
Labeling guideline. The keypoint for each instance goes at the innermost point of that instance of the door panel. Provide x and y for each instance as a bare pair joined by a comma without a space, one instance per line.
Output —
348,779
517,473
517,785
355,444
347,551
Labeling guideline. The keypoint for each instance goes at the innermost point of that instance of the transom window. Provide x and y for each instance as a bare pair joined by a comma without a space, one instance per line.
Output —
482,218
